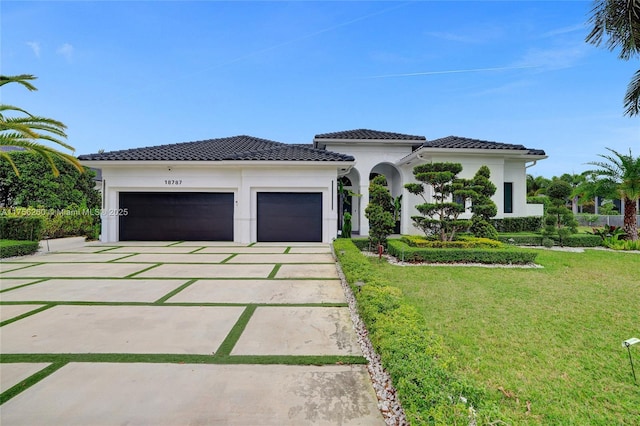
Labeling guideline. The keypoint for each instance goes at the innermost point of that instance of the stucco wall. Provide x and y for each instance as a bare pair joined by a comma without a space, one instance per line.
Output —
243,181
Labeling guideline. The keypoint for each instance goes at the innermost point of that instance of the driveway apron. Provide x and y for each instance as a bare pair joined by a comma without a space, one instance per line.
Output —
180,333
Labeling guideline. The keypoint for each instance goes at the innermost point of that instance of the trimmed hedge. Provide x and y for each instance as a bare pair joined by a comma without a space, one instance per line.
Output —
407,253
575,240
11,248
463,242
28,228
518,224
421,368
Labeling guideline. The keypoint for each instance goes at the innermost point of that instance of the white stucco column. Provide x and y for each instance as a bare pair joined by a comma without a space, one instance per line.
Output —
364,201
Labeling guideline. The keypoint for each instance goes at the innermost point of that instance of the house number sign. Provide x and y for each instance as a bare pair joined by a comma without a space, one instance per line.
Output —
173,182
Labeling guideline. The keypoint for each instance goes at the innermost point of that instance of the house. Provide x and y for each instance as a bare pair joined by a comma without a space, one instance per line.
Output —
246,189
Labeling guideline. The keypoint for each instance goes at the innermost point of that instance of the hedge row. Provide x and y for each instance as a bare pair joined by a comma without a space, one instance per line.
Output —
26,223
10,248
407,253
464,242
420,367
575,240
28,228
518,224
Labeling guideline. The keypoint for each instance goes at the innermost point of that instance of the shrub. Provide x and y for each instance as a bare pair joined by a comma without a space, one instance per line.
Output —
415,357
518,224
10,248
378,212
27,228
407,253
462,242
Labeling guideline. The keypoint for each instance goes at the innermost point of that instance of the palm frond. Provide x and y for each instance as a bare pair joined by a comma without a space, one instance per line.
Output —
632,96
5,155
20,79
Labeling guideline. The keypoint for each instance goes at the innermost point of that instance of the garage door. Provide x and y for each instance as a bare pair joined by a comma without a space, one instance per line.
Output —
290,216
169,216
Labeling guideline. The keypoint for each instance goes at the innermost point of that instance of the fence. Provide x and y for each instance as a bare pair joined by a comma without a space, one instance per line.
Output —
601,220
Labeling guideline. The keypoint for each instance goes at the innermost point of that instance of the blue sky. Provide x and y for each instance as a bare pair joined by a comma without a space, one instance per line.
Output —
125,74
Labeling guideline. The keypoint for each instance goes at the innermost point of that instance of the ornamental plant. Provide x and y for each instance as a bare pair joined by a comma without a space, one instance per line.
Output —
559,220
378,212
441,218
483,207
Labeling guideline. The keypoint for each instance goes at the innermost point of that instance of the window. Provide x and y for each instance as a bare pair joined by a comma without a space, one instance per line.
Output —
508,197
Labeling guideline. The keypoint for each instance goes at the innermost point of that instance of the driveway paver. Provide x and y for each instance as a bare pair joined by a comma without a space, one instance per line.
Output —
298,331
261,291
77,270
121,329
11,311
12,373
93,290
174,394
150,333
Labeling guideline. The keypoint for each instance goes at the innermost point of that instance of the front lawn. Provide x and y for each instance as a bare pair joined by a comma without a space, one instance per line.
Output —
546,344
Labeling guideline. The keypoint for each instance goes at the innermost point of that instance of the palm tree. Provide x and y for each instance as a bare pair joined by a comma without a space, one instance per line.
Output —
24,131
625,171
619,22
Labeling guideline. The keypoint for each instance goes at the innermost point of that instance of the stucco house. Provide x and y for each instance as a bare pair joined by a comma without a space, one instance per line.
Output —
246,189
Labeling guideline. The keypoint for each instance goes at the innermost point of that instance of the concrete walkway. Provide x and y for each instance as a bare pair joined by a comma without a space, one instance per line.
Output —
180,333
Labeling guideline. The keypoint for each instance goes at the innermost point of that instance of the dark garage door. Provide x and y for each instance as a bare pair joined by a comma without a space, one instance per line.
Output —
290,216
168,216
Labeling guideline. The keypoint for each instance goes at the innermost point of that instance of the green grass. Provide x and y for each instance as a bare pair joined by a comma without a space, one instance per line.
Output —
10,248
549,336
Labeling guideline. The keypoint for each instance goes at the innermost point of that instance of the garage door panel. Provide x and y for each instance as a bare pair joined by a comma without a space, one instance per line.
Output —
162,216
289,216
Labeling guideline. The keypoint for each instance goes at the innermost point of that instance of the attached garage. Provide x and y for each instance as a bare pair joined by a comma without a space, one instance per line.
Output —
171,216
289,216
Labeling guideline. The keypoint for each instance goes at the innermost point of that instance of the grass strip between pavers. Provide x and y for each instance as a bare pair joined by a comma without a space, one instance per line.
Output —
30,381
197,249
26,314
175,244
226,259
184,359
236,331
21,263
144,270
117,259
275,270
287,250
174,292
36,281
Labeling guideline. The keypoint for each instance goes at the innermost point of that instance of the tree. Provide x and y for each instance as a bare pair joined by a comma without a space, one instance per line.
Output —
536,185
441,216
25,130
378,212
617,24
37,186
559,219
482,207
624,170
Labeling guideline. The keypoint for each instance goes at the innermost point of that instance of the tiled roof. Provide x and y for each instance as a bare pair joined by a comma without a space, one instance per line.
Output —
457,142
232,148
368,134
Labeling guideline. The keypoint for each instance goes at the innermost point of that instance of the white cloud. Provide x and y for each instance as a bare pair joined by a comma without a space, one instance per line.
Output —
35,46
563,30
65,50
553,58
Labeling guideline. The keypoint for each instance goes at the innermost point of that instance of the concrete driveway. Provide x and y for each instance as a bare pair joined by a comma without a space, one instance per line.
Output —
180,333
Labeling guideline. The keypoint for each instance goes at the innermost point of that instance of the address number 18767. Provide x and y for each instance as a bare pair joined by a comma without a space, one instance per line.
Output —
173,181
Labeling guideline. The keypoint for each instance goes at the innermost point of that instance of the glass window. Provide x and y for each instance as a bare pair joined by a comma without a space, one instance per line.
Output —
508,197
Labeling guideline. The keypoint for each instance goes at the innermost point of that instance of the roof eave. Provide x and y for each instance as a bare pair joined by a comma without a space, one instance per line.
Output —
507,153
216,163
